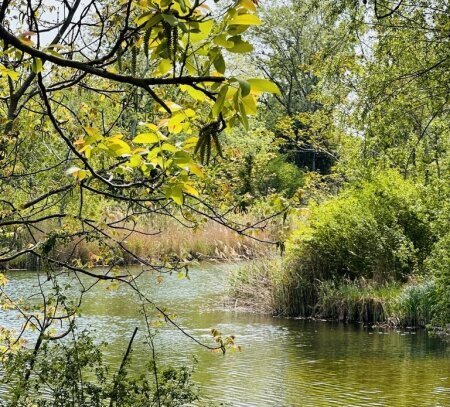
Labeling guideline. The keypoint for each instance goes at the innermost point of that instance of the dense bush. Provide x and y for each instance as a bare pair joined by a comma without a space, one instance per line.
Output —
438,266
374,253
280,176
376,229
254,166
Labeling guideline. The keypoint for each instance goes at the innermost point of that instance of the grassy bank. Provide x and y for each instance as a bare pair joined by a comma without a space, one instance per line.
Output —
264,286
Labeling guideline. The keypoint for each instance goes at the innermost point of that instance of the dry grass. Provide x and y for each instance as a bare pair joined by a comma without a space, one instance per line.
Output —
252,286
159,239
210,241
166,239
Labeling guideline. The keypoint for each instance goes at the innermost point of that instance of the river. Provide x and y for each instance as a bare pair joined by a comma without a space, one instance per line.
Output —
284,362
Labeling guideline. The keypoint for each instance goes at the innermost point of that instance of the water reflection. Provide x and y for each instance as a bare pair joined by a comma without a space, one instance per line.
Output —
284,362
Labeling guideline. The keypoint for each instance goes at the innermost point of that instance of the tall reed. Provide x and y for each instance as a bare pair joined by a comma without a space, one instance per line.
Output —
269,286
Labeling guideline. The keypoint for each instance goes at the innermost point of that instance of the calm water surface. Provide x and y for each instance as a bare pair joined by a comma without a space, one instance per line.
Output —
285,362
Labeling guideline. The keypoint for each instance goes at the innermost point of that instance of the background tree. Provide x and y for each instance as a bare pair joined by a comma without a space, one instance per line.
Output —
104,108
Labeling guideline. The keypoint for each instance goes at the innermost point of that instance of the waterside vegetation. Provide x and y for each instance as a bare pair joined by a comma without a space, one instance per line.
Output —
311,135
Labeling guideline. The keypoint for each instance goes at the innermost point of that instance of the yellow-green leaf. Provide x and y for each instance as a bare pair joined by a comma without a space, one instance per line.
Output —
250,104
245,19
36,66
171,19
118,147
219,63
241,47
164,66
148,138
217,108
190,189
222,41
175,193
194,93
263,85
245,87
205,28
248,4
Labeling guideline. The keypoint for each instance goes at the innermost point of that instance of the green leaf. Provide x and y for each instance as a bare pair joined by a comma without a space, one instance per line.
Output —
118,147
13,75
149,17
153,21
241,47
93,135
182,159
263,85
250,104
135,161
222,41
243,116
194,93
164,66
245,87
52,52
217,108
219,63
245,19
36,66
175,193
169,147
203,32
171,19
190,189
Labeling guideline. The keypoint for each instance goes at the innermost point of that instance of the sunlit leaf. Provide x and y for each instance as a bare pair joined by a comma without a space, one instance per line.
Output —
245,19
148,138
263,85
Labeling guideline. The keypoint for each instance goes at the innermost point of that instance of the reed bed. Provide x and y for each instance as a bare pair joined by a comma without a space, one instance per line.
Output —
266,285
160,240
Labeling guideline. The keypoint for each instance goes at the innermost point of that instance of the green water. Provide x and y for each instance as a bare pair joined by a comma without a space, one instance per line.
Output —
285,362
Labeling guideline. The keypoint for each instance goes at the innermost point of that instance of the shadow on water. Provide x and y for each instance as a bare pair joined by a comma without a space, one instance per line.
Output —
285,362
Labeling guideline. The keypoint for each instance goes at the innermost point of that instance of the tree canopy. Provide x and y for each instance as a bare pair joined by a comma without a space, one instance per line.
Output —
116,113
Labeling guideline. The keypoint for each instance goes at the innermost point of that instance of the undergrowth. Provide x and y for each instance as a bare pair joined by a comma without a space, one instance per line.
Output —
265,286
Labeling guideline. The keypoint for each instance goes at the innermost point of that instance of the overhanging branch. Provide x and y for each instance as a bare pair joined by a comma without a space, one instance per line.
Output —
143,83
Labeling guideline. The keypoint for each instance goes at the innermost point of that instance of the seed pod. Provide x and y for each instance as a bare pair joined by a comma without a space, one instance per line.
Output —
174,44
208,135
208,151
147,36
215,137
168,36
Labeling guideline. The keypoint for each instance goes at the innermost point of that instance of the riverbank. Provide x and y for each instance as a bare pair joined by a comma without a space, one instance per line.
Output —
378,252
266,286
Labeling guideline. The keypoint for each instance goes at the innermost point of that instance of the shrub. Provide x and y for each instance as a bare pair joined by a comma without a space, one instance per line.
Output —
280,176
415,304
438,265
74,373
369,254
375,230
